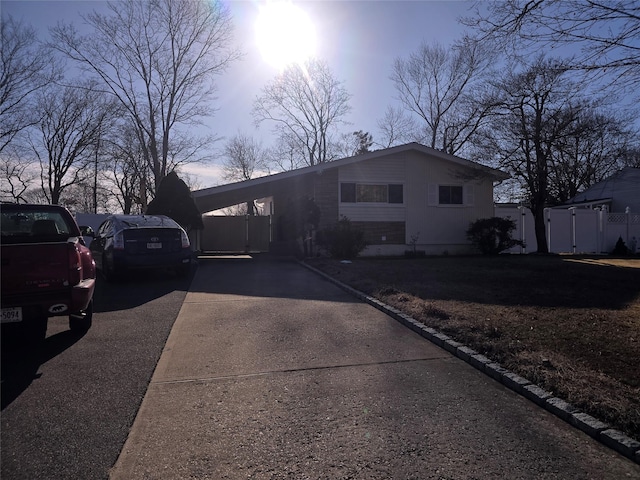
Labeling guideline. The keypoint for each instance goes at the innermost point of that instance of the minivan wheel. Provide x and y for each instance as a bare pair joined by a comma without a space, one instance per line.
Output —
81,322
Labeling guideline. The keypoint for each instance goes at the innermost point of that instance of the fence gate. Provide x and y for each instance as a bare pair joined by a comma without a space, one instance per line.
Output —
235,234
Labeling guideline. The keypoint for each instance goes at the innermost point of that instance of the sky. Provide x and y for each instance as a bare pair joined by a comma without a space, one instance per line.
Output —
358,39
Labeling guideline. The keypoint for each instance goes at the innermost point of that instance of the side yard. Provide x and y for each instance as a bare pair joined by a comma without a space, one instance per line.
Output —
570,324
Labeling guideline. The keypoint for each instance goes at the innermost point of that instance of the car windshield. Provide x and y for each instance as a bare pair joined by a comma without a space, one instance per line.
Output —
141,221
28,225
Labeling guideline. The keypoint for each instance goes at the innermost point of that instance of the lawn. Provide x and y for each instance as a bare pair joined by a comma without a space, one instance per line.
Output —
570,324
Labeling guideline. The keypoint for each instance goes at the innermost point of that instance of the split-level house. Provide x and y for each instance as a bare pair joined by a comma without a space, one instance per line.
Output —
403,198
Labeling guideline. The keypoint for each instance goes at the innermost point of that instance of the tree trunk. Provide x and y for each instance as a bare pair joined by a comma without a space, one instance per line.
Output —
540,228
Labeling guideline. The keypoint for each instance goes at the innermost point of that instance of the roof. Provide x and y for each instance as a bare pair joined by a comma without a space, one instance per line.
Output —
624,181
213,198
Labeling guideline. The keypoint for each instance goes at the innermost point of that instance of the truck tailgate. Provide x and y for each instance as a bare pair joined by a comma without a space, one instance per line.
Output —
34,268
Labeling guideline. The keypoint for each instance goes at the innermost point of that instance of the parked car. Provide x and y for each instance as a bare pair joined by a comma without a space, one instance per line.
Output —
46,269
129,242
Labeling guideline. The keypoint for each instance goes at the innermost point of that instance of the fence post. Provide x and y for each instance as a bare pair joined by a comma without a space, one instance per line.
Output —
547,212
628,212
523,237
247,247
605,226
573,229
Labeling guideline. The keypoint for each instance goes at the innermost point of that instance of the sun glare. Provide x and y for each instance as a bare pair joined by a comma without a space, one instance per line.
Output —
284,34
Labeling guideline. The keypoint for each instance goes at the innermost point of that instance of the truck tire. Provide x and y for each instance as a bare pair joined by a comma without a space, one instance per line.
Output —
81,322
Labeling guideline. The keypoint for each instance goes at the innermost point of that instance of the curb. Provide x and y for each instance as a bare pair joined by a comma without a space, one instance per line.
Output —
593,427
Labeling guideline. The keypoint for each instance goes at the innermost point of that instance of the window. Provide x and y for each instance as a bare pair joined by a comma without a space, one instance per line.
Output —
348,192
371,193
396,194
450,195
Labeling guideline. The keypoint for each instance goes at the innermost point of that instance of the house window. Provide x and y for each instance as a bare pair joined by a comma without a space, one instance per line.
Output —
348,192
450,194
371,193
396,194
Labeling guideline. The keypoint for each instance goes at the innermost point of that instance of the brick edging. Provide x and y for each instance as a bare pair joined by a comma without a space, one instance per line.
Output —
593,427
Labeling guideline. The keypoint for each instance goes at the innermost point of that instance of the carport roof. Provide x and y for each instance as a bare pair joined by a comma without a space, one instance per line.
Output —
215,198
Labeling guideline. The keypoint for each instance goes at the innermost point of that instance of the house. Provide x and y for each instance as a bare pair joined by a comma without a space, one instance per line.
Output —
617,192
400,197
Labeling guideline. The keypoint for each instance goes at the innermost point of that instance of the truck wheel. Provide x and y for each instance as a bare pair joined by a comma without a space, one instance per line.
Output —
81,322
32,334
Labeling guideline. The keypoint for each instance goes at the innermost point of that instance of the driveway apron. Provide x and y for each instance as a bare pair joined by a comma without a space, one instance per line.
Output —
271,371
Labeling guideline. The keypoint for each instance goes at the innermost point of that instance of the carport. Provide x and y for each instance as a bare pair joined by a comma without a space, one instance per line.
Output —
252,233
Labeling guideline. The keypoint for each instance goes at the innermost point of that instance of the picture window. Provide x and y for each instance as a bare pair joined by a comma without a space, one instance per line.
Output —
371,193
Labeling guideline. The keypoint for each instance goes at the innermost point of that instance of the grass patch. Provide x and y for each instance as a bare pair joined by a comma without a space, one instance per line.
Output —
569,324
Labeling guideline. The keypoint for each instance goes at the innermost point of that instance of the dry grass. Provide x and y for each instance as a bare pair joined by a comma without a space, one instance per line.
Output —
569,324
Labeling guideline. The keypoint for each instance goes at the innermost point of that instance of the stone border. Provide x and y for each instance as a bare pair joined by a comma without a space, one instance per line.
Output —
593,427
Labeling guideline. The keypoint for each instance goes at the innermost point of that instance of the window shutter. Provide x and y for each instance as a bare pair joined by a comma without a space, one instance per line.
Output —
432,195
468,195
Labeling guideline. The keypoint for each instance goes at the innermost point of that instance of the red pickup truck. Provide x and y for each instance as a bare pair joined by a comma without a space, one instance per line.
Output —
46,269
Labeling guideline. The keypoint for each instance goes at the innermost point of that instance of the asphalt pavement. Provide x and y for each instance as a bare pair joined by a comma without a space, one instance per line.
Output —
272,371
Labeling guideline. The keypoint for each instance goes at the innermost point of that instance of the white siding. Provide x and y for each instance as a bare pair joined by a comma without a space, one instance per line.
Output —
439,228
368,212
444,225
378,171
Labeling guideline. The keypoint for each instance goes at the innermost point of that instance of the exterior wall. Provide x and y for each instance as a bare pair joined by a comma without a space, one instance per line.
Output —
437,229
326,195
382,233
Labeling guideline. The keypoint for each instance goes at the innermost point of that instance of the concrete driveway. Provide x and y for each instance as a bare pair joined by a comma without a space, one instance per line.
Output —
273,372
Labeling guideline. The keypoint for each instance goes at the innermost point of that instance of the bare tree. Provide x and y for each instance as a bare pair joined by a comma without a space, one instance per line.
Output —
537,115
158,58
17,176
605,32
355,143
67,136
126,169
398,127
244,158
26,67
285,154
593,148
445,90
306,103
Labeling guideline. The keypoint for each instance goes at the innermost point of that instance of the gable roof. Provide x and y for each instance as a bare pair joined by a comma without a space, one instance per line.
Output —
621,184
214,198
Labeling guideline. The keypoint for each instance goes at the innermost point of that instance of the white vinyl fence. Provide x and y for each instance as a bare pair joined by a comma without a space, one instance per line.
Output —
575,230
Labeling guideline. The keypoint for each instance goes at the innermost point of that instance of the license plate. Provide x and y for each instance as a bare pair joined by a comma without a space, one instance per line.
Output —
154,245
12,315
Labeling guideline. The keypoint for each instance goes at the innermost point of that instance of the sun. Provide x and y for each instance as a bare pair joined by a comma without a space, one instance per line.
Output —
284,34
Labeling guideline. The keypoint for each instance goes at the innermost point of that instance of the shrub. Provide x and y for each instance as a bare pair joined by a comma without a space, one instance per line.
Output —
620,248
492,235
174,200
342,240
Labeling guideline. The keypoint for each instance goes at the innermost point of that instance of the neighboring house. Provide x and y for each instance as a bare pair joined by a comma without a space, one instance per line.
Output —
617,192
400,196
